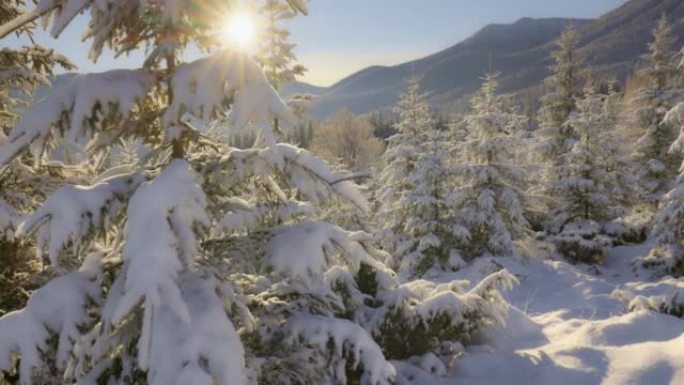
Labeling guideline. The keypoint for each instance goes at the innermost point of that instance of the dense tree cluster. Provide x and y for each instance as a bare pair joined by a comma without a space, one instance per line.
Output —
597,170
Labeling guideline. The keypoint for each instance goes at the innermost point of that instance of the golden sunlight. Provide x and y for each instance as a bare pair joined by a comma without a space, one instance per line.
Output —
239,31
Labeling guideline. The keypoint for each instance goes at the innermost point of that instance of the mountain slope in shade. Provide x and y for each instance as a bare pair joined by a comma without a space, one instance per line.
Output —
295,88
613,44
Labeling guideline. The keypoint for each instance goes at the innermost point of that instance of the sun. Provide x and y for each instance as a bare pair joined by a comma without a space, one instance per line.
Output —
239,31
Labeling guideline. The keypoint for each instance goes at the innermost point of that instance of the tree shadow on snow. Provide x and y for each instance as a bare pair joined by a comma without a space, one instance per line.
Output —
660,373
535,368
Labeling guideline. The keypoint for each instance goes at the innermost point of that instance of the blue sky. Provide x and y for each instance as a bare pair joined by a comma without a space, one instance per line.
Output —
340,37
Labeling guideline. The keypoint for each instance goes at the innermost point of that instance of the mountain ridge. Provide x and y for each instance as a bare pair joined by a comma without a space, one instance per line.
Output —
613,45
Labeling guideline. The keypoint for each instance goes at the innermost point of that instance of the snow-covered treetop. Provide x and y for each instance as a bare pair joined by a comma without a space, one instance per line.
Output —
568,63
490,207
660,57
276,52
414,129
492,124
415,118
565,84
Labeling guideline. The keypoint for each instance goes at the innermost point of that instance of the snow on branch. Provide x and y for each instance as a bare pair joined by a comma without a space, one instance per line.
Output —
73,211
60,308
307,249
299,5
665,296
75,107
675,118
418,313
310,175
204,351
64,12
347,338
160,242
202,87
8,220
306,168
248,217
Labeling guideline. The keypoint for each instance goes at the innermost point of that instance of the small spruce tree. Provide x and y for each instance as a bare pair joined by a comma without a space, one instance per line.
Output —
491,199
592,193
565,85
657,166
414,191
667,257
555,137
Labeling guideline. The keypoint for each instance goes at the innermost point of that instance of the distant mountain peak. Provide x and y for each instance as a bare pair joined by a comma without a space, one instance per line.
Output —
521,50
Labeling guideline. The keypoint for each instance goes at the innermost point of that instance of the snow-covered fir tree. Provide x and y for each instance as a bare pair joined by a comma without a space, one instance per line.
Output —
490,201
667,257
658,166
414,192
169,270
554,137
564,84
594,189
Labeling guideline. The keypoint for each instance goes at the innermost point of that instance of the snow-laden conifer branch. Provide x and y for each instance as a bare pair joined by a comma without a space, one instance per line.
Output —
160,243
202,87
665,296
326,245
293,167
243,216
77,108
349,340
59,308
72,212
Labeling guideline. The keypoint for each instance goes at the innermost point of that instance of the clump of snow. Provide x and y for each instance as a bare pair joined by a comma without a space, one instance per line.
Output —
77,107
58,308
160,243
61,219
305,251
664,296
200,88
206,350
347,338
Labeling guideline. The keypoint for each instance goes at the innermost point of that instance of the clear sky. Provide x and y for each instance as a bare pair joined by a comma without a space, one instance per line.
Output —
340,37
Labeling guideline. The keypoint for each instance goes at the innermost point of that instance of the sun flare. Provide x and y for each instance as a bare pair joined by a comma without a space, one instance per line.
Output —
239,31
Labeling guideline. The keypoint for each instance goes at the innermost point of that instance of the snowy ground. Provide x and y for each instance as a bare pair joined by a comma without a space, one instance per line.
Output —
565,328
